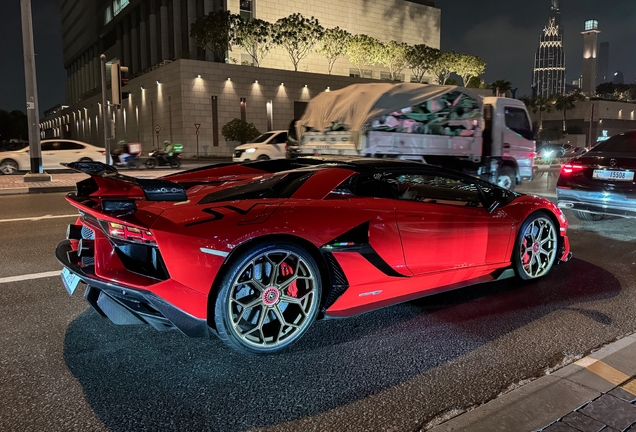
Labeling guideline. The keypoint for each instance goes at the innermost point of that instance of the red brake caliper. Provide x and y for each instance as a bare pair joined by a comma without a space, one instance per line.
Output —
286,270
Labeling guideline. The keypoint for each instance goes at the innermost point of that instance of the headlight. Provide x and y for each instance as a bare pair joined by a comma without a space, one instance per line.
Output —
250,150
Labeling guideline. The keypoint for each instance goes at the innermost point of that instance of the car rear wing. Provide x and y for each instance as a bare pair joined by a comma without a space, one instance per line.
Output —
106,181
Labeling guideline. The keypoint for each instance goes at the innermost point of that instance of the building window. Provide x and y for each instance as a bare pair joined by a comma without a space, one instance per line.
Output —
246,9
356,73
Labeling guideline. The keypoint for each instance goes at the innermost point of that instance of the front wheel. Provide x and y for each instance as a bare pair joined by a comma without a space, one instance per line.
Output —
151,163
269,296
587,216
506,178
536,247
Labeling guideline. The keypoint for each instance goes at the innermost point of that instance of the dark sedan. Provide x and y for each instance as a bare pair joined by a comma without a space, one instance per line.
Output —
601,181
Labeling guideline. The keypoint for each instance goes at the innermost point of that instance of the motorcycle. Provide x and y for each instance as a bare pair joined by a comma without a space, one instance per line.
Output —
160,158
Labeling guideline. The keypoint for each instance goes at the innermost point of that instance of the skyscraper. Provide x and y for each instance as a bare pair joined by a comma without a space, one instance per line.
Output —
590,47
602,72
549,61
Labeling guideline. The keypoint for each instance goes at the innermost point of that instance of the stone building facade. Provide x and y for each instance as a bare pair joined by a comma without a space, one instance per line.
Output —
165,91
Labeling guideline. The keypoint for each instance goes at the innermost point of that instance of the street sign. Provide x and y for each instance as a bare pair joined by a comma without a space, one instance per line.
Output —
157,128
197,125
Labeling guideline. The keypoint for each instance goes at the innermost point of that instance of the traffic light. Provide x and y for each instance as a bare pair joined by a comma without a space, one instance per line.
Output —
118,79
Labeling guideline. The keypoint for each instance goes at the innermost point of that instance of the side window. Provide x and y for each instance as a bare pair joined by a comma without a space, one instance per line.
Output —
66,145
48,146
430,188
517,120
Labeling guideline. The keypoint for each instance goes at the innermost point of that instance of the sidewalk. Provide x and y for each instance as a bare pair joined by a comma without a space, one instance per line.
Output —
593,394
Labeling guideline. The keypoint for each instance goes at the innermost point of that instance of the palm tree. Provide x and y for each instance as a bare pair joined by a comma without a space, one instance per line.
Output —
500,86
566,102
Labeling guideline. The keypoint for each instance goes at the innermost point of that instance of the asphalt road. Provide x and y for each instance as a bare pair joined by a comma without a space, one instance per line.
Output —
64,368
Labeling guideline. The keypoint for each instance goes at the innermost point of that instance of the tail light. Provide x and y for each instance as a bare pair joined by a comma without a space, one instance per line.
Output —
130,233
571,168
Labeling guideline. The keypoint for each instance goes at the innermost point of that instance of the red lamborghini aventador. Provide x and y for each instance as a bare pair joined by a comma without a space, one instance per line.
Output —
255,252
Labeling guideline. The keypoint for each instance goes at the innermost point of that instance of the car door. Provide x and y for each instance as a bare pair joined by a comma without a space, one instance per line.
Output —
276,146
444,224
50,155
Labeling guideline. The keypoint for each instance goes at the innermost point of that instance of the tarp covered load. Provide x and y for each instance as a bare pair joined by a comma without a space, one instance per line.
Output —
424,107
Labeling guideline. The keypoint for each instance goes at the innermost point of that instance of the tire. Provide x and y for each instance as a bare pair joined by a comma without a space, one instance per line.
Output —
587,216
506,178
262,158
175,163
280,283
86,160
9,166
537,238
150,163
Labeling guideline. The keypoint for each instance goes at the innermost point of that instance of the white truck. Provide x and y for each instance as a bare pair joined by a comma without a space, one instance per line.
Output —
450,126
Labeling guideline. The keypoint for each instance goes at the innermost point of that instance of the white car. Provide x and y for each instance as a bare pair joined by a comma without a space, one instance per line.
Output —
270,145
54,151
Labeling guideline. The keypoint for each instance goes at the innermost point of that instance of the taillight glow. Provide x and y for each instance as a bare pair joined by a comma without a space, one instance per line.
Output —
129,233
570,168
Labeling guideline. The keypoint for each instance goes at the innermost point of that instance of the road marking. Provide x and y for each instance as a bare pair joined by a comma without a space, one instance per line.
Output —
37,218
29,276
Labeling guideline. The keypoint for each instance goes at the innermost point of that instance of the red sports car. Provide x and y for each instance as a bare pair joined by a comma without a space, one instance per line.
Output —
255,252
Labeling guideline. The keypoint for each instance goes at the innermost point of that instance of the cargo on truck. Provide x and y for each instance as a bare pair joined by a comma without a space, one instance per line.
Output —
450,126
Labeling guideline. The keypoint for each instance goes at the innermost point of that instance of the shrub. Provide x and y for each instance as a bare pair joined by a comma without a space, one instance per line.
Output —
239,130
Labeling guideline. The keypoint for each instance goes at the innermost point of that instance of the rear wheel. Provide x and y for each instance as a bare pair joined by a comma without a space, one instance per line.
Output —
587,216
536,247
9,166
506,178
269,297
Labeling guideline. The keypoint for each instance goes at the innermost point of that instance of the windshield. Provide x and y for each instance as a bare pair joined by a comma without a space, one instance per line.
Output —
263,137
622,143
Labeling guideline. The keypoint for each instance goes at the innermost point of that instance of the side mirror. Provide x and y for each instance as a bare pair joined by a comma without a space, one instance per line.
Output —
494,206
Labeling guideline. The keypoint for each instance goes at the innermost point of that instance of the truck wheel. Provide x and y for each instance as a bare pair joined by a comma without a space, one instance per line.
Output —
506,178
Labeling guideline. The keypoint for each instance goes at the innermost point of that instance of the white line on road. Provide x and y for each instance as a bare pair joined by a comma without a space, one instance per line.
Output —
29,276
37,218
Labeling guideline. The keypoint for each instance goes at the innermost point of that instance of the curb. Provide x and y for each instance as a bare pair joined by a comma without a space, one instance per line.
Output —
537,405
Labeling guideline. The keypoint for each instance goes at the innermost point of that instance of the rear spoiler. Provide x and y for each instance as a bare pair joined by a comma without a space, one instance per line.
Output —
103,176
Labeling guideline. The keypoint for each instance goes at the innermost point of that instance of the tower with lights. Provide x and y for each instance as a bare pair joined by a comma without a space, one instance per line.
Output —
590,46
549,60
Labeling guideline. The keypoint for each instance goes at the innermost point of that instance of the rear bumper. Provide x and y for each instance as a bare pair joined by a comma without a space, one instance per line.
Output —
123,304
614,203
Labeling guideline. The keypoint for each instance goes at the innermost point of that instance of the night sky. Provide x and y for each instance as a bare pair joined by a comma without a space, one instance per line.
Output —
505,33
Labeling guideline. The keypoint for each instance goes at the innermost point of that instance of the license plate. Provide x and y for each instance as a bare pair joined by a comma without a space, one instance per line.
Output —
71,281
613,175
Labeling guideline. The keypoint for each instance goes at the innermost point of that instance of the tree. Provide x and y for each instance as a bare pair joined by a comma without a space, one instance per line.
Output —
469,66
393,56
255,37
333,45
297,35
539,104
500,87
444,65
215,32
420,59
566,102
13,125
239,130
364,51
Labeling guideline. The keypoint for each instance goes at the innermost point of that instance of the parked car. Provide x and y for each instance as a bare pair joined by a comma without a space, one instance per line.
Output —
270,145
54,152
601,181
559,151
255,252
